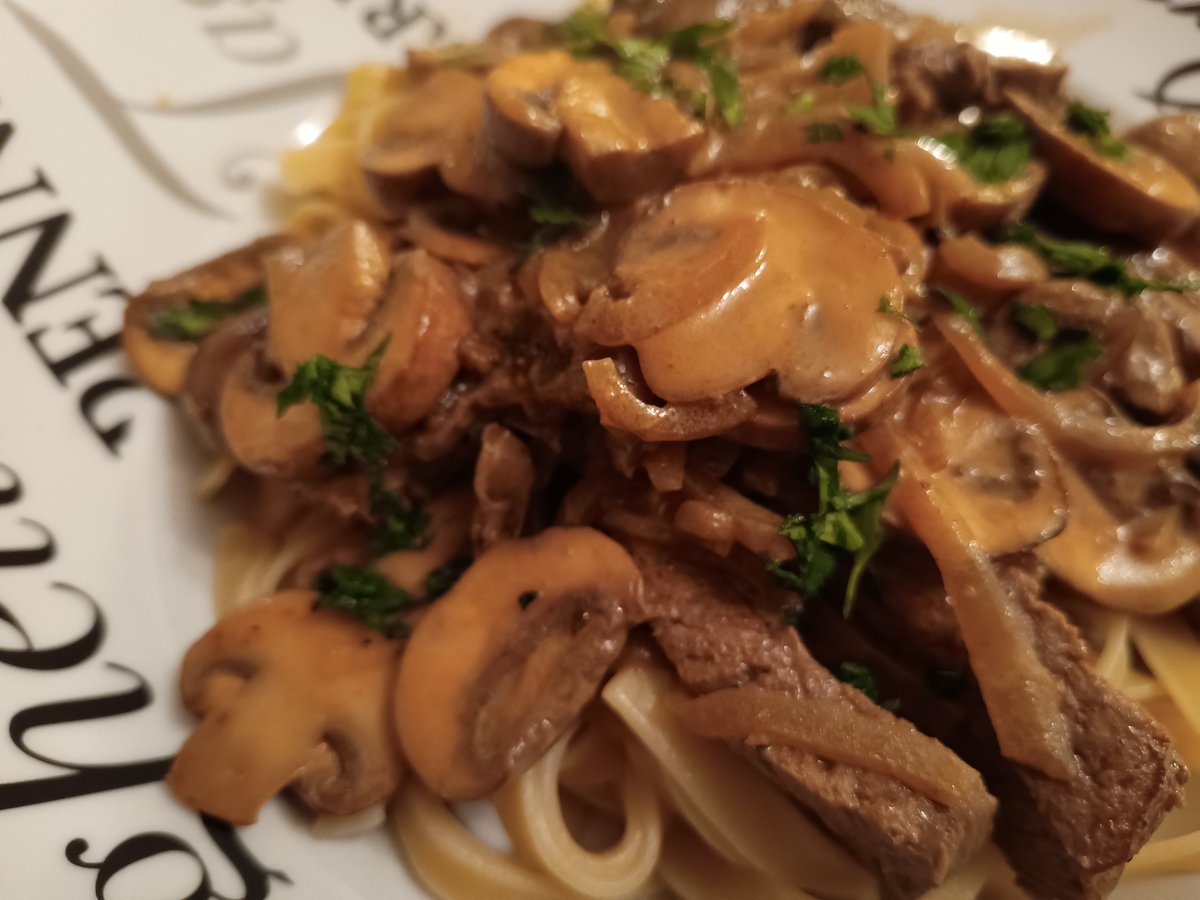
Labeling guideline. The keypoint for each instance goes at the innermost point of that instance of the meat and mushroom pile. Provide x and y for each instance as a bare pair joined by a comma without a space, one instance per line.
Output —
808,352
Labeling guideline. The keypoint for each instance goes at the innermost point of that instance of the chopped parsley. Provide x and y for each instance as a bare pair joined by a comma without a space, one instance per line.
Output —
823,132
643,61
1093,124
995,150
907,361
339,393
1037,319
840,69
398,524
880,116
1063,365
859,677
803,103
441,579
845,522
365,594
963,307
1099,265
197,319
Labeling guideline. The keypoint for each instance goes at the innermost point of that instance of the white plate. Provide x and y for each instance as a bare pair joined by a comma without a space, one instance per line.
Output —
136,137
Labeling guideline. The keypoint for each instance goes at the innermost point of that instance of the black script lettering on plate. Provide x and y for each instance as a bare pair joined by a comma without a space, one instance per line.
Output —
256,880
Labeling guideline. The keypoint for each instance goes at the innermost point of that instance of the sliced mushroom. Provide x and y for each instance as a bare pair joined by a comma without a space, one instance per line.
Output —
210,367
1001,476
519,117
802,304
503,482
287,695
499,668
1141,195
423,319
1147,564
619,142
1175,138
162,362
322,300
1149,375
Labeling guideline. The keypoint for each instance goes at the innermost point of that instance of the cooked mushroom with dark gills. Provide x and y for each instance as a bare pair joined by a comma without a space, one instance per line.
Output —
755,447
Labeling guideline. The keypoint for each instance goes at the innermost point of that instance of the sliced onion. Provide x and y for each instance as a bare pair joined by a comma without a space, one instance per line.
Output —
621,408
1107,438
1021,695
828,728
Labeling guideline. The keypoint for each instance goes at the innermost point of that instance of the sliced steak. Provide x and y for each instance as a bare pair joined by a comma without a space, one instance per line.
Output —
1067,840
715,626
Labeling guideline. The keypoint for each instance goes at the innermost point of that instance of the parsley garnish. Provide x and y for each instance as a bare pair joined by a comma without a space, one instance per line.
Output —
364,594
196,319
880,116
643,61
859,677
840,69
1037,319
441,579
963,307
823,132
844,521
1076,259
907,361
398,524
803,103
1093,124
994,151
1062,366
339,392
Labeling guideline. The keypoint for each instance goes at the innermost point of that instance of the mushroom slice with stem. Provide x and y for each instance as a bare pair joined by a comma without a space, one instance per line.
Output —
1135,192
165,323
977,269
209,370
619,142
518,114
287,695
498,669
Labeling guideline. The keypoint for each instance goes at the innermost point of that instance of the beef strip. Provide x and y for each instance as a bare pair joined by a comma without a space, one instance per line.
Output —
701,617
1067,840
503,481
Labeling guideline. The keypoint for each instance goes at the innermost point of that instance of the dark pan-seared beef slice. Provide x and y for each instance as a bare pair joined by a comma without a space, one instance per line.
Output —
1067,840
714,623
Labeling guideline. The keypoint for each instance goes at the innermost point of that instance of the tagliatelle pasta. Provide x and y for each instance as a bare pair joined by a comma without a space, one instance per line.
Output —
754,456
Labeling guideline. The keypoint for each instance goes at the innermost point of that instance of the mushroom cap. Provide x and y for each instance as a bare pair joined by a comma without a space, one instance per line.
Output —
287,695
1142,195
519,119
1175,138
500,666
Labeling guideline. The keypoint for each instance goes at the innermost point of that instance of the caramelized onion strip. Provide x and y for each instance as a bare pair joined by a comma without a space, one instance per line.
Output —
1021,695
620,407
824,728
1097,436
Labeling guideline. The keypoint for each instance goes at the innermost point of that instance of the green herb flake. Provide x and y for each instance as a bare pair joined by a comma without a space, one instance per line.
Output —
1036,319
348,430
399,525
907,361
1093,124
1099,265
197,319
996,150
859,677
803,103
880,116
365,594
963,307
441,579
1062,367
824,132
840,69
845,522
